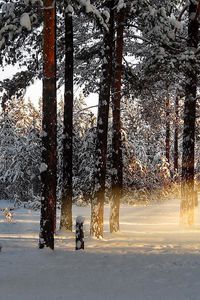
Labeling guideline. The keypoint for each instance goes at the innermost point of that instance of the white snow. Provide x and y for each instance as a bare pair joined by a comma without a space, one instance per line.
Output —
25,21
8,8
80,219
177,24
69,9
121,4
43,167
107,15
87,4
89,8
151,258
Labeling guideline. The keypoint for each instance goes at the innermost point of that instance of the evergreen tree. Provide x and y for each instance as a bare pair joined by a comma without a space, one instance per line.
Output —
66,207
97,205
117,163
49,117
176,154
191,73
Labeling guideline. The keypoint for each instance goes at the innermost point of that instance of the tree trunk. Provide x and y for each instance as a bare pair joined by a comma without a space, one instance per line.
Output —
167,138
97,205
117,162
187,184
176,135
48,166
66,206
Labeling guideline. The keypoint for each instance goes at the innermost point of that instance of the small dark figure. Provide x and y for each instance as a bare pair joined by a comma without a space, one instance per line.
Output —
79,233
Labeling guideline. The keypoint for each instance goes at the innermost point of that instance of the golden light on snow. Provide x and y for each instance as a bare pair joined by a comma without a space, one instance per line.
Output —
153,227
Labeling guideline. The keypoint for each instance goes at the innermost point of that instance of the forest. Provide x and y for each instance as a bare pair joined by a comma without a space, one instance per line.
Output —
142,58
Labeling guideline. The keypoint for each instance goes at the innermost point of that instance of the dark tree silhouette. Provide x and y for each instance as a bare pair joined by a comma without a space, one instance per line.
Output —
66,207
48,166
97,206
187,185
167,137
176,134
117,162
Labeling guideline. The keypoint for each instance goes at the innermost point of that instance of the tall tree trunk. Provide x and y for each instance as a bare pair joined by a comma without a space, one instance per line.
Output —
176,135
187,184
167,138
49,116
117,162
97,205
66,207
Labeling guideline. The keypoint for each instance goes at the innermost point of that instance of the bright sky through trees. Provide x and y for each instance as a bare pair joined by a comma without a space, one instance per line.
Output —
34,92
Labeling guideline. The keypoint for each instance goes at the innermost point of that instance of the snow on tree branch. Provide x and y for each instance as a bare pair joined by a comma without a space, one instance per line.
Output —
25,21
121,4
89,8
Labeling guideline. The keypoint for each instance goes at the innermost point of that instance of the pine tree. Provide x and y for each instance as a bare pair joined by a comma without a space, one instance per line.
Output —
176,154
48,166
97,205
66,205
117,163
167,139
8,150
191,73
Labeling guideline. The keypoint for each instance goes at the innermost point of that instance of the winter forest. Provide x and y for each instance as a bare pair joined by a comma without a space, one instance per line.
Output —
60,159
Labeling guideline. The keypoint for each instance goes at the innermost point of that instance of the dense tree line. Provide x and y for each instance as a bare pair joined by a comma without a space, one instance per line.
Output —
21,129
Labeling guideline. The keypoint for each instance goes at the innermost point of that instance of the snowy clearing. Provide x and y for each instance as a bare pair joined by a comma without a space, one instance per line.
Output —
151,258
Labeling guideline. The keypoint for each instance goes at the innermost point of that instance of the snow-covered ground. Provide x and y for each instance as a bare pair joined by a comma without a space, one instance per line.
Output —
151,258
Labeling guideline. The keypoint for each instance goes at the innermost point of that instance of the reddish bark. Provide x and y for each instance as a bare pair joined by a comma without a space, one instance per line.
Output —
48,176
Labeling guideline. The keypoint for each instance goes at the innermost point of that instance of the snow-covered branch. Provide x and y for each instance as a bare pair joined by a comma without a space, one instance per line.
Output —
91,9
182,12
